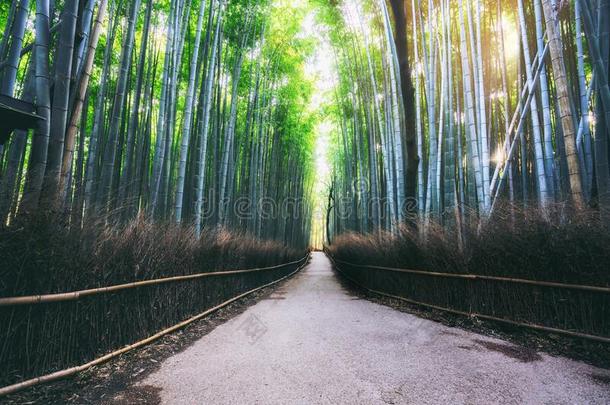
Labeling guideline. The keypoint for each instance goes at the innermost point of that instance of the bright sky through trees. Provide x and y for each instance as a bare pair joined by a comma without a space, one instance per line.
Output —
321,69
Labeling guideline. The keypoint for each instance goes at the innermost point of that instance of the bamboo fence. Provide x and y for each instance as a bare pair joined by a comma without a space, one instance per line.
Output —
473,277
479,277
75,295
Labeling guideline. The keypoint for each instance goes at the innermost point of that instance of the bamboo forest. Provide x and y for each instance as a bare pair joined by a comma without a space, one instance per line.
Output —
160,160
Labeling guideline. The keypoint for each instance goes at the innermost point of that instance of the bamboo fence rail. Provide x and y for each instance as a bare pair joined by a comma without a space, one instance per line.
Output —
480,277
602,339
75,295
10,389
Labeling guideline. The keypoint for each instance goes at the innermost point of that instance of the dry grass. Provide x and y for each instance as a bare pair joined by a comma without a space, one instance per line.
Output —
44,256
573,251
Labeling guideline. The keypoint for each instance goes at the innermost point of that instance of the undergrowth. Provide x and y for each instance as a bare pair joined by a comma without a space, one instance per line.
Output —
513,243
524,244
43,256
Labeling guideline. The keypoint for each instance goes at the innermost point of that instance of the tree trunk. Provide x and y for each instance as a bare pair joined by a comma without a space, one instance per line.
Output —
81,90
38,155
563,100
400,38
61,96
186,132
110,152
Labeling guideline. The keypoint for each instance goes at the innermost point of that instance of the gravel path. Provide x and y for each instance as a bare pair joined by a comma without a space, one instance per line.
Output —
311,342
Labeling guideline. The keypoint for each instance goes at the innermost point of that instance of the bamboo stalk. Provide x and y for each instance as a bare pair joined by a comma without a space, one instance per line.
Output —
481,277
75,295
596,338
527,93
10,389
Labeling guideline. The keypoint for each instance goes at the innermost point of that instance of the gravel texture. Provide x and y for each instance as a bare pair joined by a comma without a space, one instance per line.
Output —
313,342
